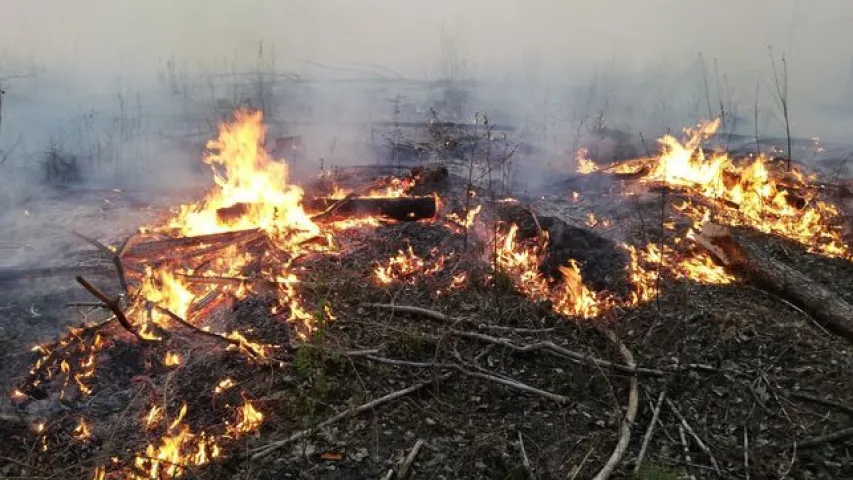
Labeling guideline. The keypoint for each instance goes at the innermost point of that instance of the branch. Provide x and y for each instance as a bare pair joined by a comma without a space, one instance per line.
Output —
630,415
113,306
264,450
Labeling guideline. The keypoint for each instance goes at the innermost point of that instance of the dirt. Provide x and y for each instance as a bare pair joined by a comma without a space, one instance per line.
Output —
734,358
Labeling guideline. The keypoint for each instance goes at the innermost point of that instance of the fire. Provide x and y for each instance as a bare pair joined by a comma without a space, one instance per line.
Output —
153,417
171,359
753,193
249,419
251,178
521,263
584,164
223,385
405,264
82,432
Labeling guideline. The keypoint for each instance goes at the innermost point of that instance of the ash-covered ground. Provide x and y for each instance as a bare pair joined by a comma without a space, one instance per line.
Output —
741,366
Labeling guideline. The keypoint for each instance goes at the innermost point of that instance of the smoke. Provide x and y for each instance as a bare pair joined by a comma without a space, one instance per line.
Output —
129,91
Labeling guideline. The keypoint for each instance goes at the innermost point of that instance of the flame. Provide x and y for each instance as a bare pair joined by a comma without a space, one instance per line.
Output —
224,384
521,263
405,264
250,178
248,420
153,417
584,164
82,432
171,359
753,193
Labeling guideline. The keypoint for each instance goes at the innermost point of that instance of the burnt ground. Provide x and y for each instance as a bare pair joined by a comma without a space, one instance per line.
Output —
736,361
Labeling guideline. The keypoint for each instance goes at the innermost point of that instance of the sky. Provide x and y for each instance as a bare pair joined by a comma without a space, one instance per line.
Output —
103,36
97,41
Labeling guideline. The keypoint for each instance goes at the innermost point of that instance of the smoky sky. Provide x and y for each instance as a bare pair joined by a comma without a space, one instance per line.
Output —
96,41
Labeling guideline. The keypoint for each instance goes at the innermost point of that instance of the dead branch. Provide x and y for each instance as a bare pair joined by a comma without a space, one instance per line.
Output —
823,401
209,334
147,249
485,375
113,255
410,458
630,415
746,260
649,432
264,450
333,208
836,436
555,349
695,436
113,306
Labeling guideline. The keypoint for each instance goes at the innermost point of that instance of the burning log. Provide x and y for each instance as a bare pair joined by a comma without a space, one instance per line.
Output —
746,259
148,249
402,208
398,208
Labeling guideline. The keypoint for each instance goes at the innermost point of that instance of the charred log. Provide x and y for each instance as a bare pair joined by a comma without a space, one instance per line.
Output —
747,260
402,208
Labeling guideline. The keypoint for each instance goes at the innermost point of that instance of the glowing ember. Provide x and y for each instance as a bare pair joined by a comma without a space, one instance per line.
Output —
81,432
223,385
171,359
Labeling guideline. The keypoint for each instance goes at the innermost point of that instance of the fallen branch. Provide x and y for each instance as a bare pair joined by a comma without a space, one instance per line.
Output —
649,432
113,306
509,382
695,436
264,450
146,249
555,349
823,401
410,458
397,208
751,262
115,256
209,334
630,415
838,435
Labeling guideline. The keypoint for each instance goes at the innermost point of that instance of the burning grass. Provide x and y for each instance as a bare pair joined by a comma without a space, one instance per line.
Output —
230,294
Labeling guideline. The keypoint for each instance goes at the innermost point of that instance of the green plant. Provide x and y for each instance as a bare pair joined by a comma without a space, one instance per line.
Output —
654,471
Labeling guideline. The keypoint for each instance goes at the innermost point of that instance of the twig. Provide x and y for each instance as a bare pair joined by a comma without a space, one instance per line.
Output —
264,450
509,382
560,351
696,437
434,315
649,432
686,448
24,464
835,436
410,458
524,459
220,337
113,306
825,402
113,255
746,451
630,415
